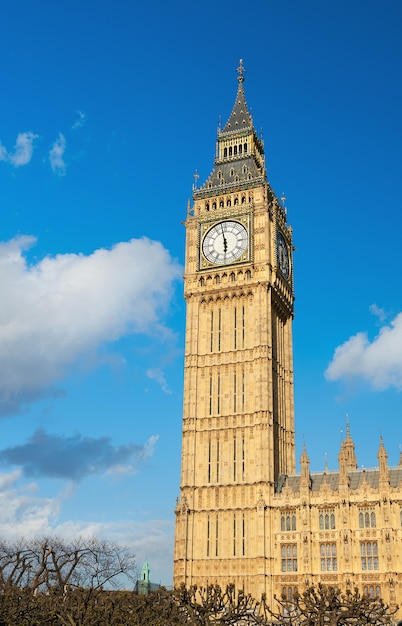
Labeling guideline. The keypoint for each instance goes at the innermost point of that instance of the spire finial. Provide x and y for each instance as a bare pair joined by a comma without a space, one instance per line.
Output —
241,71
347,426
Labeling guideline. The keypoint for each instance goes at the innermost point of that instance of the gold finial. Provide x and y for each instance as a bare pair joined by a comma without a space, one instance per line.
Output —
241,71
283,198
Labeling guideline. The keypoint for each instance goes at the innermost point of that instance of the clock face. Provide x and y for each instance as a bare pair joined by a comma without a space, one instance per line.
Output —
282,256
225,242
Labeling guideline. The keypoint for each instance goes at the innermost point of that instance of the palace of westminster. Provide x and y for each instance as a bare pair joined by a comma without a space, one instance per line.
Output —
245,516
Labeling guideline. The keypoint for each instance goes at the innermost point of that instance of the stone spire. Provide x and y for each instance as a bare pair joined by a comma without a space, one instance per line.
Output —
346,458
383,465
304,469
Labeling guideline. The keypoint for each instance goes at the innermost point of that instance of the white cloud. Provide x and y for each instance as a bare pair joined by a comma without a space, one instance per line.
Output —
63,307
82,118
24,513
378,312
23,150
378,362
158,376
56,156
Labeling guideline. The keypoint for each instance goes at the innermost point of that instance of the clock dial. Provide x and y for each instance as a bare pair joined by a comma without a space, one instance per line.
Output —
225,242
282,256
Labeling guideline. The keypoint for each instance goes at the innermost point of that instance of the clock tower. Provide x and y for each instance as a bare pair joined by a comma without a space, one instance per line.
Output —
238,410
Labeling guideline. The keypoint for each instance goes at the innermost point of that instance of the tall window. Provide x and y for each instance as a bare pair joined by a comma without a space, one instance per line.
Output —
372,591
369,555
235,328
328,557
219,329
288,521
211,347
367,518
289,557
216,536
234,393
243,455
242,391
243,536
208,534
217,461
218,395
210,393
327,519
288,593
234,534
234,459
209,461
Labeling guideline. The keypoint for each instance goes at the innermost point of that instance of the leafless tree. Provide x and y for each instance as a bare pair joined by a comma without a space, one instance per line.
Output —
322,605
54,564
213,605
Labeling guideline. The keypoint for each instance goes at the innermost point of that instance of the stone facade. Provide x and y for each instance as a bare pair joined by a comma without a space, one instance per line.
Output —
244,516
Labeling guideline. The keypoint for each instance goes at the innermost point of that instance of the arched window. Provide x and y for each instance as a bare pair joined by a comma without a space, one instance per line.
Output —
361,520
240,149
232,172
236,201
245,148
243,199
229,202
207,206
288,522
373,524
321,521
233,277
217,280
235,150
221,204
230,151
367,520
214,205
248,275
332,521
282,523
225,152
293,522
202,281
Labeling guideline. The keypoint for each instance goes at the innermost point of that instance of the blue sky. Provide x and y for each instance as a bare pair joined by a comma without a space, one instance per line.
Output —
107,110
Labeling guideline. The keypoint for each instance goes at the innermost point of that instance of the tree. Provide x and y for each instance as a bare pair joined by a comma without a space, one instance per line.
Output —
212,605
53,564
322,605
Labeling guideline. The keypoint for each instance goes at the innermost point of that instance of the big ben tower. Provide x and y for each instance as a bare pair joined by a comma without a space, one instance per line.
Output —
238,412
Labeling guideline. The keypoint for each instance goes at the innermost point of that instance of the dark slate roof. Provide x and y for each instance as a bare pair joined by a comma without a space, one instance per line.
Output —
240,118
233,173
356,479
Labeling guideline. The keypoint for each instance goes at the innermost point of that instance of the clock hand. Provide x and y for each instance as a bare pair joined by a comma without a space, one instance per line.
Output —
225,243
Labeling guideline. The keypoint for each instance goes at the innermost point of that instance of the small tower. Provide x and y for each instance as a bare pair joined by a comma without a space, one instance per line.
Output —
145,581
383,466
346,458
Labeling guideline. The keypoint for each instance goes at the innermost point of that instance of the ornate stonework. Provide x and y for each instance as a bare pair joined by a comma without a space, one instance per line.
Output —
244,515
